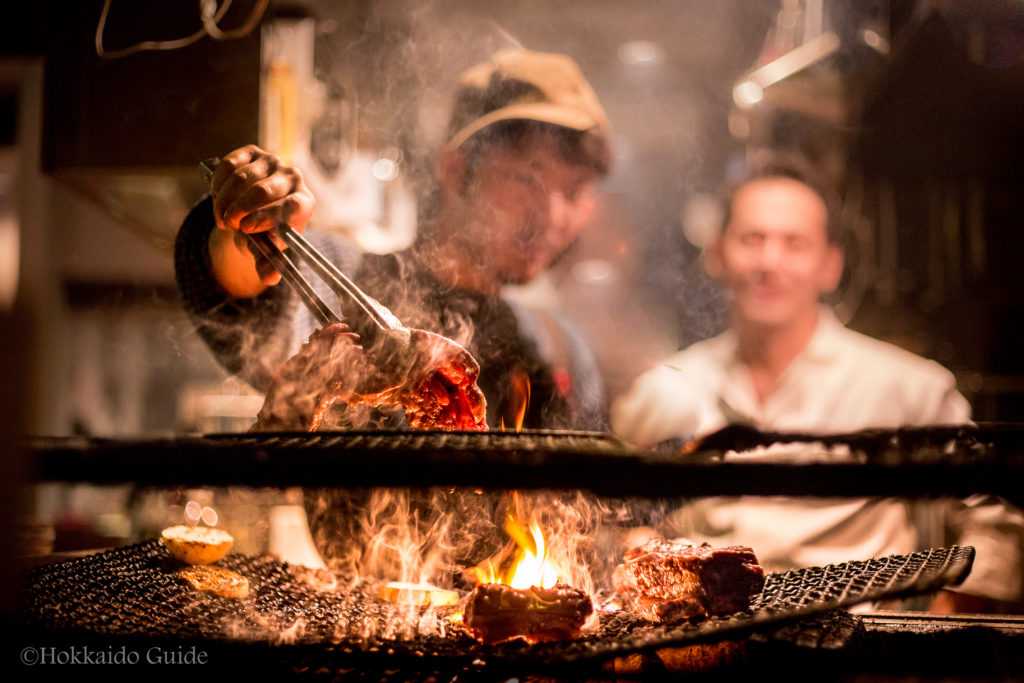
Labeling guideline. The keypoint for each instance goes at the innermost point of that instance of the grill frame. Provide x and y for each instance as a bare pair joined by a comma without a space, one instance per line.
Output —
919,462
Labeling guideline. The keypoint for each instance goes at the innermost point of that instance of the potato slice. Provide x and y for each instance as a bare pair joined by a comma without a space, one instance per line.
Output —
216,580
197,544
417,594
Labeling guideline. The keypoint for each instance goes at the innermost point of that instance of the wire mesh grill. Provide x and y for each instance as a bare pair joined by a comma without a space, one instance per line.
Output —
134,592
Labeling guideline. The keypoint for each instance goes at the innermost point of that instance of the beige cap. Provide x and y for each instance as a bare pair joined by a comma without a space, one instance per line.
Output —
522,84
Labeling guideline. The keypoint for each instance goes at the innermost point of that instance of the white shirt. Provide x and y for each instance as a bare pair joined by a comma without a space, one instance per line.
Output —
842,381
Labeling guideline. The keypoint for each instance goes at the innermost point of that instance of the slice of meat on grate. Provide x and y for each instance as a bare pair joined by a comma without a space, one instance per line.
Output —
668,581
496,612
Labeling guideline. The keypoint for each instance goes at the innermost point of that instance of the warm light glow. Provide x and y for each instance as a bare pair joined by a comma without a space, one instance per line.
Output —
196,512
874,39
531,566
193,512
209,516
747,94
640,53
385,170
488,572
595,271
417,594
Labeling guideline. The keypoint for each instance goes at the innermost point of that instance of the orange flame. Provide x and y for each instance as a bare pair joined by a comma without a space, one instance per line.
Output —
531,566
519,400
521,391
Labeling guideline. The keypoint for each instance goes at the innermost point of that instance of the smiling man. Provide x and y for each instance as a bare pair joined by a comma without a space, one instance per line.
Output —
515,183
787,364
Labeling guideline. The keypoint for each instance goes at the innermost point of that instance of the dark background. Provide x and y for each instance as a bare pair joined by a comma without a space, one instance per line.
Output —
924,148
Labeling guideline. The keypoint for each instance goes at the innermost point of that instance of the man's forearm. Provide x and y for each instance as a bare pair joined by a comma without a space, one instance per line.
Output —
233,265
245,334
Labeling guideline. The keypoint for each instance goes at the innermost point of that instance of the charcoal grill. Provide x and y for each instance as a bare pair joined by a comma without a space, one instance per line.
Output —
133,592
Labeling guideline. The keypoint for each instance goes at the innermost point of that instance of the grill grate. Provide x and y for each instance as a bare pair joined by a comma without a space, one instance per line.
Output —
133,592
525,460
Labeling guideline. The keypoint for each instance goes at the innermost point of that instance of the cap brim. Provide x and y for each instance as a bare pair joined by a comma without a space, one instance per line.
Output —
543,112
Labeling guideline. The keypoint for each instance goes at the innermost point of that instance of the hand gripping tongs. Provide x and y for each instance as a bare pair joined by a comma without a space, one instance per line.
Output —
383,336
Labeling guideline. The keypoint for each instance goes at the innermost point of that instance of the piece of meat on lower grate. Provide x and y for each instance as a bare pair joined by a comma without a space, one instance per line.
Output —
672,581
496,612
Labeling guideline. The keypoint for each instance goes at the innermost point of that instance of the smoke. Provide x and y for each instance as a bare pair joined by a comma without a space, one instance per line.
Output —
421,536
436,536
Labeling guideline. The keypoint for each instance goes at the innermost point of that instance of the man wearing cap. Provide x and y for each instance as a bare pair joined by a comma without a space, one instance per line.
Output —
514,185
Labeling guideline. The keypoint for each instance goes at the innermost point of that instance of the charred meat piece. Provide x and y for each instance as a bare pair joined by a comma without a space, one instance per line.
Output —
447,397
434,383
497,612
310,382
669,581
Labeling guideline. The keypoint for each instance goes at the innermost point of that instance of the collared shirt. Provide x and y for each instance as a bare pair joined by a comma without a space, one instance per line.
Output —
842,381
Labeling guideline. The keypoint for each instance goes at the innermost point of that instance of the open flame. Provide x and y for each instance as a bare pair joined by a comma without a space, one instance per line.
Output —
519,400
531,567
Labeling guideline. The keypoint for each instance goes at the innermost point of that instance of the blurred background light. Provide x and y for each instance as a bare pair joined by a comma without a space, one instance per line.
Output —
747,93
640,52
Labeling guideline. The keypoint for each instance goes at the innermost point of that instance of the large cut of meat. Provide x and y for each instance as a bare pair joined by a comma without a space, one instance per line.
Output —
496,612
672,581
433,381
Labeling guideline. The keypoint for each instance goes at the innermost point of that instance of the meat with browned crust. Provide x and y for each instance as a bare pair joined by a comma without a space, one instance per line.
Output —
435,387
496,612
673,581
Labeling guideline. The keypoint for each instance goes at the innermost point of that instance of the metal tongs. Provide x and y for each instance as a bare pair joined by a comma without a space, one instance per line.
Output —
376,317
451,369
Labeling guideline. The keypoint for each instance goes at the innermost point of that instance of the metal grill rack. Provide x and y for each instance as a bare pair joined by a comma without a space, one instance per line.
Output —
922,462
132,592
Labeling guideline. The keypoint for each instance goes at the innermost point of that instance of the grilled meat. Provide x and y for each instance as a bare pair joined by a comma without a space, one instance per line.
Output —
434,384
668,581
496,612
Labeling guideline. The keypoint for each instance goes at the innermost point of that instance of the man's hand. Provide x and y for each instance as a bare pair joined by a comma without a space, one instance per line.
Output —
252,192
